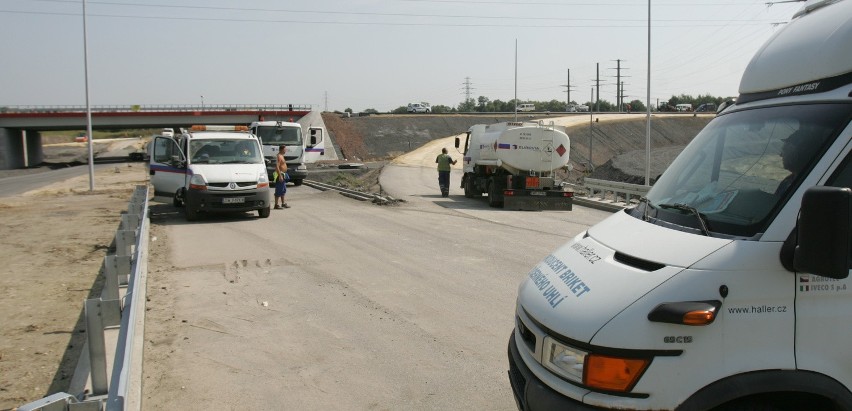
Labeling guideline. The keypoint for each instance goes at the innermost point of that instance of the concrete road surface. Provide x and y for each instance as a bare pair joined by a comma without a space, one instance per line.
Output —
340,304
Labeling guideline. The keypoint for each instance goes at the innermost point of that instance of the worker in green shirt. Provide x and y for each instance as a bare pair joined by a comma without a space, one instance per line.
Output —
444,162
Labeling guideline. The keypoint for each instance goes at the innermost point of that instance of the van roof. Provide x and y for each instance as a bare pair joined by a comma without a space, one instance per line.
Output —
808,55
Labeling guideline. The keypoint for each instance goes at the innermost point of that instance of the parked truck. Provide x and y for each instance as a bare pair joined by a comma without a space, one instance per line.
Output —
515,164
727,287
300,151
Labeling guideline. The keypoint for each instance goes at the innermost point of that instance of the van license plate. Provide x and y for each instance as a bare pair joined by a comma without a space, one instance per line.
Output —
233,200
538,193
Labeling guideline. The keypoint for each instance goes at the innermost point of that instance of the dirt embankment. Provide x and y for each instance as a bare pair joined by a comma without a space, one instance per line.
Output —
617,147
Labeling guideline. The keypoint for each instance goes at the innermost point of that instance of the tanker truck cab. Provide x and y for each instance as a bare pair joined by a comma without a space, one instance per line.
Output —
273,134
727,286
211,169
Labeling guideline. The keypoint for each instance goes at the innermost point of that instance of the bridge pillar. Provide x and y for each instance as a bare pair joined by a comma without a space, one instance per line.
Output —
13,146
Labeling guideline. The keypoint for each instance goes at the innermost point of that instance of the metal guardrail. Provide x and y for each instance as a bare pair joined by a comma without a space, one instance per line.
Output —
613,191
125,270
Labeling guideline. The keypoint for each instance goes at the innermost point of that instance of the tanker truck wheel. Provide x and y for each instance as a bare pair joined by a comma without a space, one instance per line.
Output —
469,190
494,197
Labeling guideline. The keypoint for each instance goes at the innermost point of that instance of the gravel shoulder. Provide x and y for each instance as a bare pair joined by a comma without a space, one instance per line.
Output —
53,244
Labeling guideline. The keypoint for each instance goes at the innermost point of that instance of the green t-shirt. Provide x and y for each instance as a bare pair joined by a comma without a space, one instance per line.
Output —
443,161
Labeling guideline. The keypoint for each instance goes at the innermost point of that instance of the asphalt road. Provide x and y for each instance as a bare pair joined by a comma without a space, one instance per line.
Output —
14,182
336,303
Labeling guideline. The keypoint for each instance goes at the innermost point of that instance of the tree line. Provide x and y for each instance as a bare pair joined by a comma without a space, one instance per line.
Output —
483,104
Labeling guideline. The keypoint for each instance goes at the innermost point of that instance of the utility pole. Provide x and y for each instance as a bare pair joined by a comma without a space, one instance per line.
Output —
619,86
326,101
598,86
467,89
568,91
618,95
591,121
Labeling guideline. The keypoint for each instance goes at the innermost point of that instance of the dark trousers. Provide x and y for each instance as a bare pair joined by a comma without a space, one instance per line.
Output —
444,179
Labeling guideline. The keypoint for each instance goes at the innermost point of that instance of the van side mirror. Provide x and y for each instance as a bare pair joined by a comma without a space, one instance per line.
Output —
457,142
824,236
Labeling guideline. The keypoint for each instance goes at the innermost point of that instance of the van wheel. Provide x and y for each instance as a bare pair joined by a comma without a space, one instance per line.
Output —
191,214
177,200
263,212
297,182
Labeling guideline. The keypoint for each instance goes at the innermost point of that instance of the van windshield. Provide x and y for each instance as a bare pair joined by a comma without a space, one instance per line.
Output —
738,172
275,135
225,151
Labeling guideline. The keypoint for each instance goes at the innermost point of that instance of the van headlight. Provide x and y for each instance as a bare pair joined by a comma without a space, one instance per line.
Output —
565,361
197,182
601,372
262,180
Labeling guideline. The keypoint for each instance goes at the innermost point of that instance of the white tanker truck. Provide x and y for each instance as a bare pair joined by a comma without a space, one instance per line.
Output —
515,164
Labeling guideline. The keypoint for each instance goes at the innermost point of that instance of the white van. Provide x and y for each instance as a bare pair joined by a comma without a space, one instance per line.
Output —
728,286
526,107
684,107
211,169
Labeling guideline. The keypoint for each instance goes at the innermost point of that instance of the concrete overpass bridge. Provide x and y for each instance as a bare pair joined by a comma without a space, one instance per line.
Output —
21,126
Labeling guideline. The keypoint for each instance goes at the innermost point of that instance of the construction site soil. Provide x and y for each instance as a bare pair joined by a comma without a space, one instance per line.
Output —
617,146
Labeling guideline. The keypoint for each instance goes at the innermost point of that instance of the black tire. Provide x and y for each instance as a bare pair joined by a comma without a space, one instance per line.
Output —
469,190
177,200
191,214
494,198
264,212
297,182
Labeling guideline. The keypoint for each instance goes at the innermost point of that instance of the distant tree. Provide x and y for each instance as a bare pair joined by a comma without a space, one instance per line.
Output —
636,105
400,110
482,104
348,110
370,111
467,106
442,109
552,106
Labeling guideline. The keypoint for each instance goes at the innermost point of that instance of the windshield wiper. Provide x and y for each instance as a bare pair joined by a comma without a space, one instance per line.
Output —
645,209
702,222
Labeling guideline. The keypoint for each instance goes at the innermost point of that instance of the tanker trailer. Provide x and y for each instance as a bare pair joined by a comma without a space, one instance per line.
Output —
515,164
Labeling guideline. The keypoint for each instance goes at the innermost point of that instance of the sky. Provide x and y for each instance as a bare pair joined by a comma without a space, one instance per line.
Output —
373,54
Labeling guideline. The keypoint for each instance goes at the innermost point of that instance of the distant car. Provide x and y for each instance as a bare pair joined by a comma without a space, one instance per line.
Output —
526,107
419,108
168,132
706,107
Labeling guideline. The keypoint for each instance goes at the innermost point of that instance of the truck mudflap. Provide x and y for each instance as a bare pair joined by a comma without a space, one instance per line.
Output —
537,200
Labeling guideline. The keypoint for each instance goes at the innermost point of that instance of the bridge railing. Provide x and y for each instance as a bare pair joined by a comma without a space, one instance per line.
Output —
613,191
120,309
131,108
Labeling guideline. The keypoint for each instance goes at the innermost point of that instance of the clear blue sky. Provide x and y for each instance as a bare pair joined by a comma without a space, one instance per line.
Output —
379,54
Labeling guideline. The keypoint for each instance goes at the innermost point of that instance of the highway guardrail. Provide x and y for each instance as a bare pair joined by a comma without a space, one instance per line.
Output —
114,325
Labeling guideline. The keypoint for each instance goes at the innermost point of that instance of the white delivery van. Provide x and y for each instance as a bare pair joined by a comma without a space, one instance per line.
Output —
526,107
211,169
728,286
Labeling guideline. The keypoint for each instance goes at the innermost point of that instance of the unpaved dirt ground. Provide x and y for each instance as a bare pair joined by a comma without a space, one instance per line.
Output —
53,243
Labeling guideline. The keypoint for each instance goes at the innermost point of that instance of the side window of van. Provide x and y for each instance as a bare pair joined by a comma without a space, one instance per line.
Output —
164,149
842,177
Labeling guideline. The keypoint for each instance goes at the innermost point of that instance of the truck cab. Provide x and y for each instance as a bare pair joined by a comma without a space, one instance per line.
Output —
300,151
210,169
728,286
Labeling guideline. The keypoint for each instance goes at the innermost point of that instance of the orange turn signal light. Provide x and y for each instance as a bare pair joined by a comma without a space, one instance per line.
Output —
613,373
